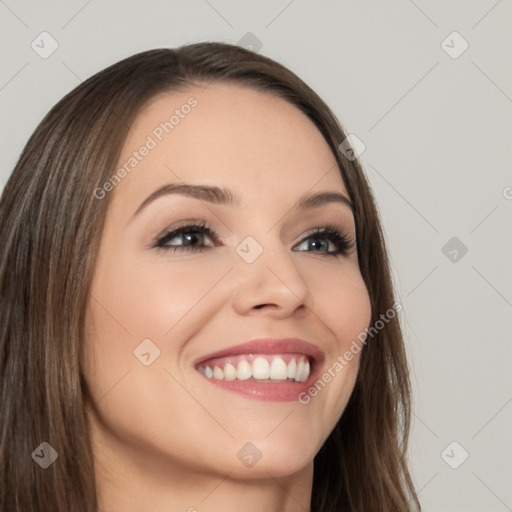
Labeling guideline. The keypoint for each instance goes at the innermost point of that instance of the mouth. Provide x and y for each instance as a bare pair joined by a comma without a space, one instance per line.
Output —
265,369
259,367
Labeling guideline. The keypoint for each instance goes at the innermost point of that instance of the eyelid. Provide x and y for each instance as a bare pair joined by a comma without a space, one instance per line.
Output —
326,228
337,236
183,227
329,231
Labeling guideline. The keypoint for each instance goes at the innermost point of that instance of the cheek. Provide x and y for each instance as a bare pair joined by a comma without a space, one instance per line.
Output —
340,301
161,300
151,297
166,302
342,304
349,311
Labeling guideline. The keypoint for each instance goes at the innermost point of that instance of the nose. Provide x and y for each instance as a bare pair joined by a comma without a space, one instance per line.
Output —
272,285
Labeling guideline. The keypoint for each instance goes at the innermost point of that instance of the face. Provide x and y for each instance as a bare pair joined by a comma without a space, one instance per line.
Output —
221,308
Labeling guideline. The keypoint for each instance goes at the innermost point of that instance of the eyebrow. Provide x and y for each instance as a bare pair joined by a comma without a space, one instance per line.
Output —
223,196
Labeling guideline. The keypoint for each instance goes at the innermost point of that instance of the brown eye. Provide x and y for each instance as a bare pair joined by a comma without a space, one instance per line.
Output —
193,237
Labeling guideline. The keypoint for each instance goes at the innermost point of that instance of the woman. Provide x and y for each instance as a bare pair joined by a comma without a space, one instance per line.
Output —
197,311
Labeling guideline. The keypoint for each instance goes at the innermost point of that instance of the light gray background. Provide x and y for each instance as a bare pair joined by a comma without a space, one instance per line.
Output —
437,132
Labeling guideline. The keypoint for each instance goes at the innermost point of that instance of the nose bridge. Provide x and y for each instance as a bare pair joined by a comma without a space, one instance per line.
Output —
268,275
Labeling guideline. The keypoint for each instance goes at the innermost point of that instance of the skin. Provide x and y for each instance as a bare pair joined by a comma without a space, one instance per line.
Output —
164,438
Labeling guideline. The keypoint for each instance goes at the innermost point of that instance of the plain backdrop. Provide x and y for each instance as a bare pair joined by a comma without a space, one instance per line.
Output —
426,86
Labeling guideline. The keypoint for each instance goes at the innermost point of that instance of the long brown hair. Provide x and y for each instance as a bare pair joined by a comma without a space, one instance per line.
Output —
51,225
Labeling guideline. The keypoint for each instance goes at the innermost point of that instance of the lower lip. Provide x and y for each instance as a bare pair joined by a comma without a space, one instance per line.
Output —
267,391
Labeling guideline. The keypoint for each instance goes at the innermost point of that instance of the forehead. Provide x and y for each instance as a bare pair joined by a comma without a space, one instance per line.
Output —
227,135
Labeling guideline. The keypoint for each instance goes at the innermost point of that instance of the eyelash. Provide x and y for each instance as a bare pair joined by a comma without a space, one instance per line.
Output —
342,242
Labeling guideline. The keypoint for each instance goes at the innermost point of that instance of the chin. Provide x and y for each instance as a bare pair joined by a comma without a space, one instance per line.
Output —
277,455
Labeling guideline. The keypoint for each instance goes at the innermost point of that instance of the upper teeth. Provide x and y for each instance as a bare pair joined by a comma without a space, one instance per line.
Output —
261,368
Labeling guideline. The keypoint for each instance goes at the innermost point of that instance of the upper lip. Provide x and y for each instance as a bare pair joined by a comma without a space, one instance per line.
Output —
268,346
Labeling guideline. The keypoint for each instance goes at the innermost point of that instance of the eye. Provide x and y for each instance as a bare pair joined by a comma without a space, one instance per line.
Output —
189,238
196,237
328,241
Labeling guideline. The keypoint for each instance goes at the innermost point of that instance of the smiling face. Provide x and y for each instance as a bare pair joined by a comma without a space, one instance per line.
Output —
250,237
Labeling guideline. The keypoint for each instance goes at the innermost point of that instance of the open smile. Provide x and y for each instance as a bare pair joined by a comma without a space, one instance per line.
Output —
265,369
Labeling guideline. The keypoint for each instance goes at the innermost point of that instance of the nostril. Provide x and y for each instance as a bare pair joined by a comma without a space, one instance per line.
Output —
260,306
